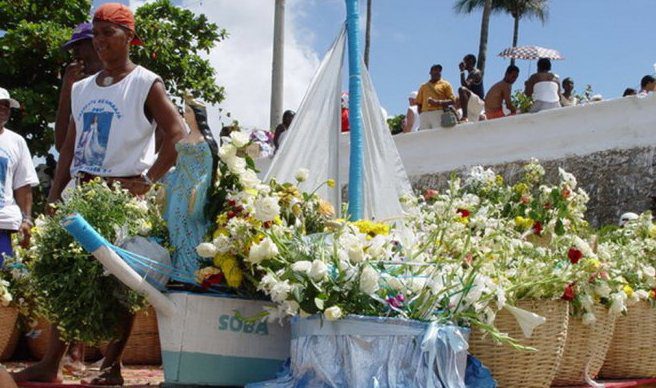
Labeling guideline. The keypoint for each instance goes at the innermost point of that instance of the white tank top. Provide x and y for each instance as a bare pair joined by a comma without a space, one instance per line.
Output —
113,137
546,91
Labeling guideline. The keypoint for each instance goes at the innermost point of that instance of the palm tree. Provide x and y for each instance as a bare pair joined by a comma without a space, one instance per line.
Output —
367,35
518,9
468,6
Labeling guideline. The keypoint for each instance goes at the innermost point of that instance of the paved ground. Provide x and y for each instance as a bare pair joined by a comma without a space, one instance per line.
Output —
134,375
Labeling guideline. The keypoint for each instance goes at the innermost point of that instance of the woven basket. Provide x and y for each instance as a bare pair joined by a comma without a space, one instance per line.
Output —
9,333
38,345
631,352
586,348
516,368
143,346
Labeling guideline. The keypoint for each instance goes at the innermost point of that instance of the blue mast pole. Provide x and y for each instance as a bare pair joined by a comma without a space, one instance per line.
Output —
356,178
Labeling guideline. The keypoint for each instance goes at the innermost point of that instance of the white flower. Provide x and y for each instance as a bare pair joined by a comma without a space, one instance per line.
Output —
369,280
303,266
641,294
319,270
356,254
302,174
222,244
249,179
603,290
567,178
650,271
236,165
227,152
266,209
6,298
239,139
587,302
617,303
206,250
333,313
264,250
280,291
393,282
589,319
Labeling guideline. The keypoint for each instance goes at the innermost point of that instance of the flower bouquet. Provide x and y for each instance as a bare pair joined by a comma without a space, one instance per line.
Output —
633,251
71,288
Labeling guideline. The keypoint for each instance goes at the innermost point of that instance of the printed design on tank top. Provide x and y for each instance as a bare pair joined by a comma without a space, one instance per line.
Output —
97,117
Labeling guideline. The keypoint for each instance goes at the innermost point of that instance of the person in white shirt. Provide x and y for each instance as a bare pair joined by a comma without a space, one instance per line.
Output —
412,115
17,176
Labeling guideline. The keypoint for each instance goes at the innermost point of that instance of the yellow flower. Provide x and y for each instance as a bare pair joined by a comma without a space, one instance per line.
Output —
499,180
628,290
326,209
652,231
231,270
372,228
523,222
220,258
520,188
331,183
220,231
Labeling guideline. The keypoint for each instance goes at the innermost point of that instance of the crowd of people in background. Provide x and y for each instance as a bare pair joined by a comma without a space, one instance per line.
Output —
435,104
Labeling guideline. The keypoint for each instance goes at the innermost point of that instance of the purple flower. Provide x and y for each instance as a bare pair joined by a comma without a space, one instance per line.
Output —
396,301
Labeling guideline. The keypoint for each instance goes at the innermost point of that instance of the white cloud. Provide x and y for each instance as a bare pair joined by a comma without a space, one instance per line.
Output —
243,61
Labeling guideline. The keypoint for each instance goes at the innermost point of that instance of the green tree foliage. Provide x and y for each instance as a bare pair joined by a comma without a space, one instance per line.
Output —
174,43
518,9
31,61
396,124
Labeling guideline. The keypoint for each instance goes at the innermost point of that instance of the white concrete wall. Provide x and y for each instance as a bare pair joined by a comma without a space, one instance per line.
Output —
617,124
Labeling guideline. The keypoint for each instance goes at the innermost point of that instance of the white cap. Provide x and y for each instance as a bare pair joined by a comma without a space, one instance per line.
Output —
626,217
4,95
413,94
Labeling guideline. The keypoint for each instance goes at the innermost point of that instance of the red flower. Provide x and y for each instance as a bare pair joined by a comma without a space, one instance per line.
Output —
565,192
464,213
231,214
537,228
212,280
569,293
430,194
153,55
574,255
548,205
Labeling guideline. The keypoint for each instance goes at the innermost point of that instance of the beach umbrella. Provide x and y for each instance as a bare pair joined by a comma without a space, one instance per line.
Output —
530,52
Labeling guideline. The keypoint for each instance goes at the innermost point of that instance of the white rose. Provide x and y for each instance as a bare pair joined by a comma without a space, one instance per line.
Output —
6,298
617,303
356,254
319,270
266,209
264,250
369,280
589,319
587,302
239,139
236,165
302,266
227,152
280,291
302,174
249,179
603,290
222,244
650,271
206,250
333,313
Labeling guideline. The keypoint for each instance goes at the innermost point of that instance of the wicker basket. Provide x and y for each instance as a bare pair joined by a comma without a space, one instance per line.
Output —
143,346
631,352
9,333
586,348
515,368
38,345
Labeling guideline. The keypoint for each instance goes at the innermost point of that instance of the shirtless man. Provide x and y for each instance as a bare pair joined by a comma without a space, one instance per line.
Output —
500,92
471,92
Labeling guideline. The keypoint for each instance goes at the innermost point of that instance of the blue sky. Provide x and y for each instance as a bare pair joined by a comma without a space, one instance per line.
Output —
607,43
